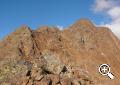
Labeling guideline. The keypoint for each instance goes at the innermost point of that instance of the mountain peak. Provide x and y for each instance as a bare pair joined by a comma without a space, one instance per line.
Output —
84,23
47,29
24,28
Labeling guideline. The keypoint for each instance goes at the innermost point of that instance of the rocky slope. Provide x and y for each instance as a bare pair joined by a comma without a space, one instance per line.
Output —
49,56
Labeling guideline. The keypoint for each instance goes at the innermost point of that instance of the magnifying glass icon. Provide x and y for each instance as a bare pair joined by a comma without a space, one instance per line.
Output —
104,69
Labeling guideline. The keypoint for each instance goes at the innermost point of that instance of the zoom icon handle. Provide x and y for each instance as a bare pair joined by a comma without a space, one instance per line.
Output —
104,69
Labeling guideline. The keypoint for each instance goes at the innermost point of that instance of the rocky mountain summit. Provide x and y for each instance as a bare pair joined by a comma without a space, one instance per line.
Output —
49,56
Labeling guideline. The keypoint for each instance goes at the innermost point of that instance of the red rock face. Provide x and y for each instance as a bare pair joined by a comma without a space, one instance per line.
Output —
48,56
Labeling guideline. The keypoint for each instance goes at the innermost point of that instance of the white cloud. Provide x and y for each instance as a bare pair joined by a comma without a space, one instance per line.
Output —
112,9
114,27
114,12
101,5
60,27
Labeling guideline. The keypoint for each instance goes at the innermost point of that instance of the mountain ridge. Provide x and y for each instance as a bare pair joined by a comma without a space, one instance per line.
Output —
59,57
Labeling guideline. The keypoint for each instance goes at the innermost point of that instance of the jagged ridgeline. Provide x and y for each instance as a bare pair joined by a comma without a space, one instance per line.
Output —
49,56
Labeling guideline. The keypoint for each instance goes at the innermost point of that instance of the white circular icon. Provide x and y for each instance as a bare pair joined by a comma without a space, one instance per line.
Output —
104,69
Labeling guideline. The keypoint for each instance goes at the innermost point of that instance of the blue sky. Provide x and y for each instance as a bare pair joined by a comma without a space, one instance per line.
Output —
35,13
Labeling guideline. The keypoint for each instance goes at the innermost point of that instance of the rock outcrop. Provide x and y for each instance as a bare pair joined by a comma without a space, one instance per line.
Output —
49,56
